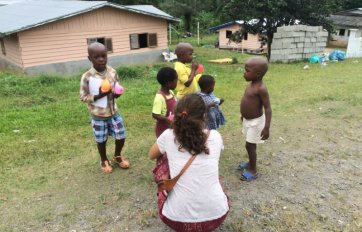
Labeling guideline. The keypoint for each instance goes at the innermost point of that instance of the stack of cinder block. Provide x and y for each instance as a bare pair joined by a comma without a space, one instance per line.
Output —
297,42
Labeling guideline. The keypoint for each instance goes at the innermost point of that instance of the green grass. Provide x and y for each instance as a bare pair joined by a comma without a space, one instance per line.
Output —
50,177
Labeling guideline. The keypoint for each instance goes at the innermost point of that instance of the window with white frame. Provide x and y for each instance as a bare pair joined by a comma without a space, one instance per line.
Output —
103,40
2,44
143,40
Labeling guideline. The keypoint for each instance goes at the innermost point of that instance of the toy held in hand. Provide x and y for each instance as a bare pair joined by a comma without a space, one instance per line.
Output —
200,69
118,89
105,85
170,117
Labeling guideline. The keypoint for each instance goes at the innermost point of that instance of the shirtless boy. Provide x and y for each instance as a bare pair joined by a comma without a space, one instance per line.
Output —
256,123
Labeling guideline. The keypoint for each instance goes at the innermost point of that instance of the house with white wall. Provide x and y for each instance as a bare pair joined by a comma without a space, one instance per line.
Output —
344,21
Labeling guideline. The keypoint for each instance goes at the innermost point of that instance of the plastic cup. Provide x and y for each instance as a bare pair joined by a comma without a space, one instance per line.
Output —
200,69
118,89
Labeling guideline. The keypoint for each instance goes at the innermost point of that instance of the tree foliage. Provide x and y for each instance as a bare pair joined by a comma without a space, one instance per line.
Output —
265,16
351,4
269,14
207,12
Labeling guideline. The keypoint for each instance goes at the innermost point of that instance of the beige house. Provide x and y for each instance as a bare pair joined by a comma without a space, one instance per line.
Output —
52,36
250,41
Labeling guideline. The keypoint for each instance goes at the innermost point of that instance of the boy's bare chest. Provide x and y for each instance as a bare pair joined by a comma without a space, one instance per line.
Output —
251,92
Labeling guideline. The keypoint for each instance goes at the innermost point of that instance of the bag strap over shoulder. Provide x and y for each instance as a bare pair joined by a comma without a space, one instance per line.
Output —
187,165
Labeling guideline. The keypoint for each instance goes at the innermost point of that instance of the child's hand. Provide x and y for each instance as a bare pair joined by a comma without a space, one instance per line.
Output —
195,66
265,133
101,94
169,121
104,93
221,101
212,104
117,95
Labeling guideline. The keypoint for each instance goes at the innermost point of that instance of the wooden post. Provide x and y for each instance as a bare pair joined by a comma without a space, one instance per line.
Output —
198,33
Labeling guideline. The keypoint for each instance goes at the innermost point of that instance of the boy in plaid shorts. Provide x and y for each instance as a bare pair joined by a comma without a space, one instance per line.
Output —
106,119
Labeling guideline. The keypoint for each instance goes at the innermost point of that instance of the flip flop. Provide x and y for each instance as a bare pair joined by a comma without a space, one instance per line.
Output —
247,176
243,165
121,161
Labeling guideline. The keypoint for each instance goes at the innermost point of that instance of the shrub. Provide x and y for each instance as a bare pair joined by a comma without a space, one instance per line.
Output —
234,60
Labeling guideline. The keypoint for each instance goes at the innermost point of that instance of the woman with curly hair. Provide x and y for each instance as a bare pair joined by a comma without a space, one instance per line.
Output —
197,202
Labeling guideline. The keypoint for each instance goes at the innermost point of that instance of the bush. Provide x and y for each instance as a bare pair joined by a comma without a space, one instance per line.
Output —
129,72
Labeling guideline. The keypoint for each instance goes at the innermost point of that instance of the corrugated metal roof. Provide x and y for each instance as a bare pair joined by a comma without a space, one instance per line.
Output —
348,18
25,15
346,21
239,22
150,9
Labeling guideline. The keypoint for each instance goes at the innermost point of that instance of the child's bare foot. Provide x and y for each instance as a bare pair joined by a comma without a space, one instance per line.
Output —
121,161
106,166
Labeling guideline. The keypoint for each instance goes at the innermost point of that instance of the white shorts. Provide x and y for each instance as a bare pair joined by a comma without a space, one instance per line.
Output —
252,129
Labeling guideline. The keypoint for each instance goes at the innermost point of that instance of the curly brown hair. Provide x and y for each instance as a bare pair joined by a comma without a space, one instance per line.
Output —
189,124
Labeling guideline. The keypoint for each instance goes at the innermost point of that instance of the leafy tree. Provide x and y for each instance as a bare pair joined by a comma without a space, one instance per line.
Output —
184,9
351,4
206,20
207,12
264,16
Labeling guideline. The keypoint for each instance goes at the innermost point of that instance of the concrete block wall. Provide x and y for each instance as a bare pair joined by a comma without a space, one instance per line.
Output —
298,42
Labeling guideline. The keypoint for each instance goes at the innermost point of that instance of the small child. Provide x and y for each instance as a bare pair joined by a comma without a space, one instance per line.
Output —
165,101
215,117
187,77
163,111
255,123
97,90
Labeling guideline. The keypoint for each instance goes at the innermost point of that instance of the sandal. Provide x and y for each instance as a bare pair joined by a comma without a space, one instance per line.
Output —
121,161
106,166
247,176
243,165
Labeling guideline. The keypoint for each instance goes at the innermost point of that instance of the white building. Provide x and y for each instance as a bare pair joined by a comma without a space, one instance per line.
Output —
344,21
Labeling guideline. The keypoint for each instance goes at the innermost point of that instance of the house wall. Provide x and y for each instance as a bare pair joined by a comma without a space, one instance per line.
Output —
12,58
66,40
251,43
354,48
79,66
342,40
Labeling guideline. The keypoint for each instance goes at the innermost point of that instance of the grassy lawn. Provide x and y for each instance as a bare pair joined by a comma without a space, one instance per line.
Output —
51,181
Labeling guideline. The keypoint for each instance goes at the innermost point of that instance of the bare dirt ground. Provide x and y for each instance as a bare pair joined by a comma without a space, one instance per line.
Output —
310,175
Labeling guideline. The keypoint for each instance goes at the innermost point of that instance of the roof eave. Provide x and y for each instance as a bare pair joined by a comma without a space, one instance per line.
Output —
55,19
224,25
169,19
172,19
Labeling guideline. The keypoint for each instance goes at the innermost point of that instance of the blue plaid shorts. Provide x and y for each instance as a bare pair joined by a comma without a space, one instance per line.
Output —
113,126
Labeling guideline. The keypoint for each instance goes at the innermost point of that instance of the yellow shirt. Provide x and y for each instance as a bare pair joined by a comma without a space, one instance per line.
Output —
159,103
183,73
